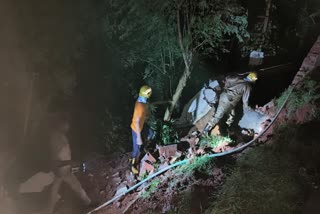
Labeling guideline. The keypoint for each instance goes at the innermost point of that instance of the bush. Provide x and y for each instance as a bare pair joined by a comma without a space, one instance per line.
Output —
298,98
264,181
165,134
214,141
202,164
151,189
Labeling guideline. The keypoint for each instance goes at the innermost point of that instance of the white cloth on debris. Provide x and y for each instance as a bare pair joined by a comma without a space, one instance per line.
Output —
199,106
252,119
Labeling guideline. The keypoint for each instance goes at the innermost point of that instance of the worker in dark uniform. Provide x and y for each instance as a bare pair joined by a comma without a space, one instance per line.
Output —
235,88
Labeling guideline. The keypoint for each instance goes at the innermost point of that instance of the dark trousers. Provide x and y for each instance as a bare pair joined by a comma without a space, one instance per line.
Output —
148,134
136,147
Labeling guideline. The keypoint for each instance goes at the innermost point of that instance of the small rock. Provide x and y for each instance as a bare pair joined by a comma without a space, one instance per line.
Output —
142,186
118,204
116,180
167,151
163,165
115,174
173,159
178,154
145,167
148,157
121,189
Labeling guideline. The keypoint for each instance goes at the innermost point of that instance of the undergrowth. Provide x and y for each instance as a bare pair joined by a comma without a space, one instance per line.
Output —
264,181
298,98
202,164
214,141
165,133
151,189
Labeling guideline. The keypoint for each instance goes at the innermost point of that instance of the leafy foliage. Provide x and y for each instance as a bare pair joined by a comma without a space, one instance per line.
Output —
146,32
139,33
264,181
212,33
214,141
298,98
151,189
165,134
113,136
262,42
202,164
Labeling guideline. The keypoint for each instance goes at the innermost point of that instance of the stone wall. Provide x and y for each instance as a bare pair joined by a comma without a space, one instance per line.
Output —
309,63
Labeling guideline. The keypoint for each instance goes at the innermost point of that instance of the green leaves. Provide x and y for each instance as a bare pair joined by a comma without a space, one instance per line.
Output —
144,32
307,94
214,141
168,134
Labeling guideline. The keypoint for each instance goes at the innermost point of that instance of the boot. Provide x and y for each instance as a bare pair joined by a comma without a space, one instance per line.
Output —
134,170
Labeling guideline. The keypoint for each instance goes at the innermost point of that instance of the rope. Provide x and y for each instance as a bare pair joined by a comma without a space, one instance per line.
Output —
268,68
242,147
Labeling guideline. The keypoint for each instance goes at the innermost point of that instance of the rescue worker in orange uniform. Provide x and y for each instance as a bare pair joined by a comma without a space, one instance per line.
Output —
235,88
138,120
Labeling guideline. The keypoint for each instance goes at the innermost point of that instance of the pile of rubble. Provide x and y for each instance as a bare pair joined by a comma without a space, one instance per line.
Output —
167,155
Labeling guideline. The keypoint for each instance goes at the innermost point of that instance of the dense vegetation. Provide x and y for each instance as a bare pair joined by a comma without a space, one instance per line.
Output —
93,64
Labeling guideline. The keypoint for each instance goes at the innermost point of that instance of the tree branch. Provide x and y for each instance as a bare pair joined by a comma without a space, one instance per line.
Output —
150,63
198,46
180,39
266,19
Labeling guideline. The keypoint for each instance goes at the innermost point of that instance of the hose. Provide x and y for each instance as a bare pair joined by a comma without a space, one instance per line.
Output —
242,147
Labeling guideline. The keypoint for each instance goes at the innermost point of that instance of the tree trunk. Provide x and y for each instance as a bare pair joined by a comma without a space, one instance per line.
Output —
187,59
182,83
267,15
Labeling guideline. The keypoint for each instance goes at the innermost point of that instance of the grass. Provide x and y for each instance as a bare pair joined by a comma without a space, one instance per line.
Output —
214,141
298,98
184,205
151,189
202,164
264,181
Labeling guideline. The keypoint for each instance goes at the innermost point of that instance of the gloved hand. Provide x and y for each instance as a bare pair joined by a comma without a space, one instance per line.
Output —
139,141
207,128
247,108
230,120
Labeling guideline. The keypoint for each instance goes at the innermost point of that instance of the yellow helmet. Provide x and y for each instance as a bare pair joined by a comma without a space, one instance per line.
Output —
145,91
252,76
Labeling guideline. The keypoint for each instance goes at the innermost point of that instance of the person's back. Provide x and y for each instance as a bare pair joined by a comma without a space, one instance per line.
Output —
236,88
61,158
59,146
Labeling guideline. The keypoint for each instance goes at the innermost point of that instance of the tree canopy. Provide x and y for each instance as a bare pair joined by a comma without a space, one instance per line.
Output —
164,36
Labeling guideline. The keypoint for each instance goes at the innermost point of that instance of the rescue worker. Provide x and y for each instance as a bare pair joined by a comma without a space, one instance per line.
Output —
138,120
61,157
235,88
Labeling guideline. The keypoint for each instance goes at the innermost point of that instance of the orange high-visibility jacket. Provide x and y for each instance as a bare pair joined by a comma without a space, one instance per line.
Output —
140,110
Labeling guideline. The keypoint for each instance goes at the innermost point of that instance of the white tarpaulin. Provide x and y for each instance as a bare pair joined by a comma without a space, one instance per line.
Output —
200,105
252,119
